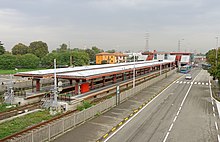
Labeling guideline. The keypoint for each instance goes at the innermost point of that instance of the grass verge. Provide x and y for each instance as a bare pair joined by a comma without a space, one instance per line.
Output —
13,126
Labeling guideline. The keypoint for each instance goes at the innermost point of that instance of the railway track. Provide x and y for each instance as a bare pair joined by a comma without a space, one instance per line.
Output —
57,117
19,110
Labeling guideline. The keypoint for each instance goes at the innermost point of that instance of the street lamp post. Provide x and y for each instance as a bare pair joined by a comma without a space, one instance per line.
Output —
134,72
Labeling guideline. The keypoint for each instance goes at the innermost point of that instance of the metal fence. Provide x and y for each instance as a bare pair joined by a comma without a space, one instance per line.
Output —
49,131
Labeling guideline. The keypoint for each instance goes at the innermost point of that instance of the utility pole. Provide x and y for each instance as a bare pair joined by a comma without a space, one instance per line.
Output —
179,44
147,41
216,53
55,85
134,72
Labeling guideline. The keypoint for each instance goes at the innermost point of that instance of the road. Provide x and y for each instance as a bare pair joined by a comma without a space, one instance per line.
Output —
183,112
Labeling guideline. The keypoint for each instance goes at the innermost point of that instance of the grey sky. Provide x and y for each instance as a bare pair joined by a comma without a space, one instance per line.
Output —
112,24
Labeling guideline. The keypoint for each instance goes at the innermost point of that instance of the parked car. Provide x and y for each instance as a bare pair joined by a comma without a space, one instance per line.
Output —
188,77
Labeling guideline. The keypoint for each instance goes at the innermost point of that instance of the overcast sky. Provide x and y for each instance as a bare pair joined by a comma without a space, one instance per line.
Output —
112,24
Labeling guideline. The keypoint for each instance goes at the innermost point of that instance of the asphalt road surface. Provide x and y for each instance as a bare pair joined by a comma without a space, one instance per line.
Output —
184,112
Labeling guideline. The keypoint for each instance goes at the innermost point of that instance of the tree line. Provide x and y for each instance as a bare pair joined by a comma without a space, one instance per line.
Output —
37,55
214,70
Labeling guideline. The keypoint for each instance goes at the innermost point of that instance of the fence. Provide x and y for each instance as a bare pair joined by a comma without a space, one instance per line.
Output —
48,132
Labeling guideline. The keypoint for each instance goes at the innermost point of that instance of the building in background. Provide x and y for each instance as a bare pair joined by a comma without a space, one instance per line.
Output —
110,58
181,58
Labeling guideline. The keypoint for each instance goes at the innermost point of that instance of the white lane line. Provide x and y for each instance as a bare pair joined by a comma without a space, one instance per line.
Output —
177,82
184,82
212,102
203,83
195,82
180,108
110,136
181,82
218,138
181,105
177,113
171,126
213,109
199,83
207,83
216,125
213,114
188,82
166,136
174,119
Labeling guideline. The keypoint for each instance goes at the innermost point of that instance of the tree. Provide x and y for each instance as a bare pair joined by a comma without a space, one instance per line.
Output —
8,61
63,47
47,61
91,54
80,58
28,61
38,48
20,49
2,48
211,59
97,50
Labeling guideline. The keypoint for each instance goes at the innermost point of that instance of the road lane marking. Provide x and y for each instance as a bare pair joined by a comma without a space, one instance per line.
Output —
184,82
216,125
180,108
181,105
218,138
110,136
166,136
171,126
213,108
177,82
212,102
213,114
203,83
174,119
188,82
181,82
207,83
177,112
199,83
195,82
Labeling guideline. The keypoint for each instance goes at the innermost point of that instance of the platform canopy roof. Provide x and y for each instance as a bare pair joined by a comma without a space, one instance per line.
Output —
96,73
85,71
50,72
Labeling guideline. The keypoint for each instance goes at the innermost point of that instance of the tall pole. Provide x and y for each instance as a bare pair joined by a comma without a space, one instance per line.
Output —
55,83
134,72
147,41
216,52
179,44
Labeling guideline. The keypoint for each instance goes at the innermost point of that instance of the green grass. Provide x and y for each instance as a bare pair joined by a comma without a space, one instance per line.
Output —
19,70
84,105
18,124
3,107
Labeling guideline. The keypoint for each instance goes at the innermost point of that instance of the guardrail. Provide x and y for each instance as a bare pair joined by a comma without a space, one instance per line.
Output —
58,127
